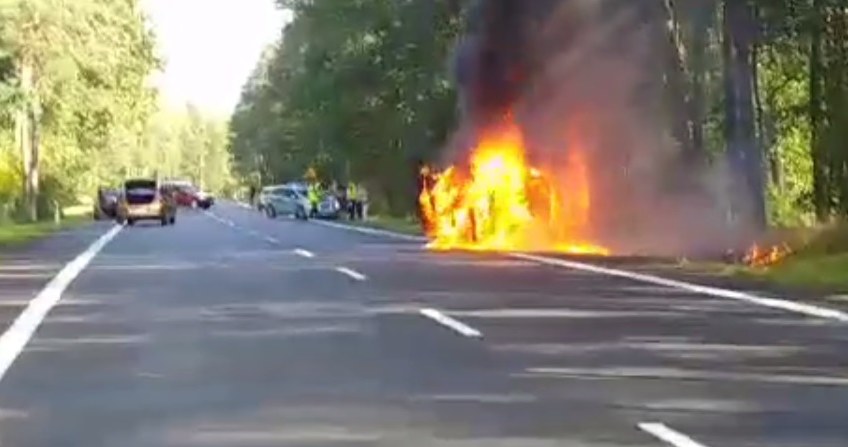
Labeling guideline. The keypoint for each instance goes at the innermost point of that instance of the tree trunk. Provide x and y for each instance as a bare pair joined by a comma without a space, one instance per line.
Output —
838,111
27,139
821,201
697,109
763,137
676,89
743,150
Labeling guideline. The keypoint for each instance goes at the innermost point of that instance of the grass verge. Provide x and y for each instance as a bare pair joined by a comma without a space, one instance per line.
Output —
13,234
820,261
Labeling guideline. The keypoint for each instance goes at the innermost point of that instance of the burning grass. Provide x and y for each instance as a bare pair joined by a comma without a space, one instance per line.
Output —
809,258
758,256
502,203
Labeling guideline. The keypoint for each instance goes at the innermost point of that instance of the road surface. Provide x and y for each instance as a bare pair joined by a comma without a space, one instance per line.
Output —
230,329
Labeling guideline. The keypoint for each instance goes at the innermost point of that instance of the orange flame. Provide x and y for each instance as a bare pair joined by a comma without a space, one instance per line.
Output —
502,203
757,256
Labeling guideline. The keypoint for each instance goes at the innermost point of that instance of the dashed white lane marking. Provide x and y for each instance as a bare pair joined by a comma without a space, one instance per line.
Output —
371,231
219,219
452,323
19,333
668,435
791,306
351,273
271,239
775,303
303,253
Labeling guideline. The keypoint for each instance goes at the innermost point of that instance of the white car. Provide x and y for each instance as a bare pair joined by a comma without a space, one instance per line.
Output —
278,200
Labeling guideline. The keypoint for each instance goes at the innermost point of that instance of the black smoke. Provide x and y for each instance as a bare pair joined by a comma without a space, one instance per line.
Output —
497,58
589,73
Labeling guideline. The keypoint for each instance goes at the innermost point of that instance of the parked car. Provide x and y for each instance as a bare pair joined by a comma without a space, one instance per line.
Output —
106,204
145,199
286,199
186,194
329,207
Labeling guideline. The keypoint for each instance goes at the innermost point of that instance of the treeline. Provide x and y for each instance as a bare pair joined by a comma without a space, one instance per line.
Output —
77,106
362,89
191,145
354,90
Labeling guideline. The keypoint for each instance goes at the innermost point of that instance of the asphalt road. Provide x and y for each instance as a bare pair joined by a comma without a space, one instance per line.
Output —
230,329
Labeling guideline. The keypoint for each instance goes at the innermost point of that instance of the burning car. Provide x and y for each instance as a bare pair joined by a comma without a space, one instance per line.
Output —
500,202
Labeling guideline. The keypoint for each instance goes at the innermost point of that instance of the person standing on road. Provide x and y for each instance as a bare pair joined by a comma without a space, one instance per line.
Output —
361,202
352,199
252,195
314,195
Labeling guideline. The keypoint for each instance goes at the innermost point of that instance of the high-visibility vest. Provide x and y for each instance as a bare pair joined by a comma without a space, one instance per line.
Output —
313,194
352,191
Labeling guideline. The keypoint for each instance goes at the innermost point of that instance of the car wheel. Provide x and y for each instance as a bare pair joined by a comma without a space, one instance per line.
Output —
130,222
164,221
271,212
301,214
173,220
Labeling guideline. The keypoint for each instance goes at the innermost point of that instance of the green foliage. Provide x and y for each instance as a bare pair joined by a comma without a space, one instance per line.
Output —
185,144
355,90
90,60
90,101
360,90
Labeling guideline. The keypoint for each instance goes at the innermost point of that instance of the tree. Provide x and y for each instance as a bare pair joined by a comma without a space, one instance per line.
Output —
361,89
80,72
355,90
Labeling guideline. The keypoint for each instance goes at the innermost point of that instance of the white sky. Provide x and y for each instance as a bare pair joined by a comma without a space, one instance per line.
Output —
210,47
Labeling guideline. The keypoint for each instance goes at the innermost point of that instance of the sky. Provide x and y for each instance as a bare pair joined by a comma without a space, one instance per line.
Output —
210,47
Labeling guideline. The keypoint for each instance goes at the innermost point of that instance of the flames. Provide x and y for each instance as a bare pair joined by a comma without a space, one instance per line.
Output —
757,256
499,202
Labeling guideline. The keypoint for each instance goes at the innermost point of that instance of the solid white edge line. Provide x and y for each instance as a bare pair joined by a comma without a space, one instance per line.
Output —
775,303
13,341
351,273
303,253
370,231
451,323
791,306
668,435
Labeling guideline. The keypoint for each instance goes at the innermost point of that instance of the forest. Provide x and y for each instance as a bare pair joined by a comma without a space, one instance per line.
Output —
364,89
78,109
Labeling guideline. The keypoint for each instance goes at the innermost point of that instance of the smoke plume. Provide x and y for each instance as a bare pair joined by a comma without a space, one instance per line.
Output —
587,75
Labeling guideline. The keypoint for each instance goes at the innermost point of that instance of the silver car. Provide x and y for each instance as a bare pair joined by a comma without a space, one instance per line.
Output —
329,207
286,200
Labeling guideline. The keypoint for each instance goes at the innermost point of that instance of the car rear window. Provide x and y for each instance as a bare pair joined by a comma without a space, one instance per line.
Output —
140,191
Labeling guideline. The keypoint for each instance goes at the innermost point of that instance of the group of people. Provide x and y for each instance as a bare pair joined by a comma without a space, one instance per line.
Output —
352,198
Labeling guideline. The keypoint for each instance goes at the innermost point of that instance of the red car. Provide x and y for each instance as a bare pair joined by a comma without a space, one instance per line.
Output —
186,194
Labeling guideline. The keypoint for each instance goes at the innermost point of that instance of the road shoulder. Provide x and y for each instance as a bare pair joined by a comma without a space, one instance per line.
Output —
27,267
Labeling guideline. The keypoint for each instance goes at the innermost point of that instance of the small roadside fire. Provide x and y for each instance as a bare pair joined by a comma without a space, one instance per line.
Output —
501,203
757,256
